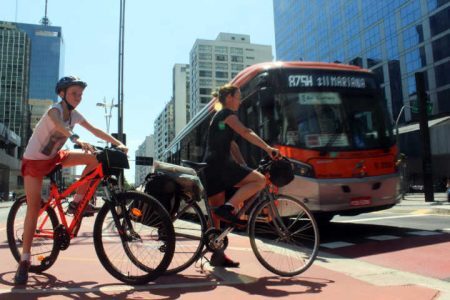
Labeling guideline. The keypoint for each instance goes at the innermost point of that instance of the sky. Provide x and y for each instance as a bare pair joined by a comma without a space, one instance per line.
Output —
158,34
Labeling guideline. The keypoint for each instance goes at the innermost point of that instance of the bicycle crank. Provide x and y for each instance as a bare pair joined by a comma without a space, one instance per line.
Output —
211,242
62,237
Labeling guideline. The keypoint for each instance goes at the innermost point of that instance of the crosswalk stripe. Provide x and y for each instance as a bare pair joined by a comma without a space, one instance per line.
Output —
383,237
424,233
334,245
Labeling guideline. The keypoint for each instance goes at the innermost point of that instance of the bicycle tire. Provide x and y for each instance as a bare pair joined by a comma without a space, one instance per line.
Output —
40,245
293,250
190,226
130,261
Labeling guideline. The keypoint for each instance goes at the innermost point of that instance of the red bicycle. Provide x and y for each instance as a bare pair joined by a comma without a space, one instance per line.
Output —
133,234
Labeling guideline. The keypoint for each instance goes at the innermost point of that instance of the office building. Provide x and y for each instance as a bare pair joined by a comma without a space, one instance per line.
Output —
215,62
395,39
14,72
146,149
14,113
46,66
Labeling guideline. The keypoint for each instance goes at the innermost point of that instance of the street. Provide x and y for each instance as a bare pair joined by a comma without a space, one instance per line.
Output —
392,254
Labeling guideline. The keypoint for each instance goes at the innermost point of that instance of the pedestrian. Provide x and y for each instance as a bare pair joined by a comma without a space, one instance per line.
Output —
226,166
43,153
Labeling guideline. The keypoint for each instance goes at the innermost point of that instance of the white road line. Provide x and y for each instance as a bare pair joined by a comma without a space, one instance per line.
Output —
424,233
378,218
334,245
383,237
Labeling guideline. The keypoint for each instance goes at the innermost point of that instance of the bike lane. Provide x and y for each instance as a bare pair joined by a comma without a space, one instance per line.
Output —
78,274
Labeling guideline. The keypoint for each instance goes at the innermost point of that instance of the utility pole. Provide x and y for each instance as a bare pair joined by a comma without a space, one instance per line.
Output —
121,54
425,137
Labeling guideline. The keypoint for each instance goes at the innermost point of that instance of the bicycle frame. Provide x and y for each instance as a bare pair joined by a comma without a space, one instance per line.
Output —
93,179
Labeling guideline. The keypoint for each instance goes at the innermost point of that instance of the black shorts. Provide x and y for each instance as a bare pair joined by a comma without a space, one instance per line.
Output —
223,176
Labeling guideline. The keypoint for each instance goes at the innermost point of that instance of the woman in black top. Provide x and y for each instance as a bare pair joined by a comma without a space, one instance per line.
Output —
226,166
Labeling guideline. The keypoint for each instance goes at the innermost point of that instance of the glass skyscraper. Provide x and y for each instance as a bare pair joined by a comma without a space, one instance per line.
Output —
14,75
394,38
46,62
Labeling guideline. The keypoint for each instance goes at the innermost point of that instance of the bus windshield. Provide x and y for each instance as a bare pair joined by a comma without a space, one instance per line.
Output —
333,120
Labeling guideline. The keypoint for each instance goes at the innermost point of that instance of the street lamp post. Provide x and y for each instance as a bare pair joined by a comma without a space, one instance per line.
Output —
108,109
398,119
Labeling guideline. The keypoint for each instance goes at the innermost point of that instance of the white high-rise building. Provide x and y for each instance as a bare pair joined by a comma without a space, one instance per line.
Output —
180,92
147,149
164,130
215,62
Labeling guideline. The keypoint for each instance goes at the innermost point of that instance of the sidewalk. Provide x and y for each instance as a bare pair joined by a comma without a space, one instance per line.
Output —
416,203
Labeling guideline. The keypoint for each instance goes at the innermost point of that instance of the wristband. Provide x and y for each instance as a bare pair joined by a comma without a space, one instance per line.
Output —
74,137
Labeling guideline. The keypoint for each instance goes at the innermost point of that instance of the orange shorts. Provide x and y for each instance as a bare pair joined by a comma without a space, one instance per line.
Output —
40,168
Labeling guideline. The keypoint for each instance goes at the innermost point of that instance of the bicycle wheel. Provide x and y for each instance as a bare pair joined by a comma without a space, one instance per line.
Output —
44,249
285,242
147,244
189,224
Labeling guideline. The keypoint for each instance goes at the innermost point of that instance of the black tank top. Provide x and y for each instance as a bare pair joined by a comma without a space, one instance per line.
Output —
220,136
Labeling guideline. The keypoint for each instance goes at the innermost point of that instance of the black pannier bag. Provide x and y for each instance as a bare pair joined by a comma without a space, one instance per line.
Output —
281,172
113,161
165,189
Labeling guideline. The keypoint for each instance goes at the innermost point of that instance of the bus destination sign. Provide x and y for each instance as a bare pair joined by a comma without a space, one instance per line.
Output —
327,80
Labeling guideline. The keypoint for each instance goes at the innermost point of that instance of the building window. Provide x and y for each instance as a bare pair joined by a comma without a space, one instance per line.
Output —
204,73
205,91
205,65
238,51
221,57
221,66
205,56
221,50
236,67
220,74
205,48
235,58
441,48
440,22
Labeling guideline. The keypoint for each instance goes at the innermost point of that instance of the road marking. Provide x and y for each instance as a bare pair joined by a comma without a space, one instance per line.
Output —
379,218
424,233
383,237
334,245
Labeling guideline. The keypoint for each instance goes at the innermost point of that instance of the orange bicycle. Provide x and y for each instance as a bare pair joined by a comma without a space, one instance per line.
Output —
133,234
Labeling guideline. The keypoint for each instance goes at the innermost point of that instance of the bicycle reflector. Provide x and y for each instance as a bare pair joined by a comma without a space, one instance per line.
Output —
136,212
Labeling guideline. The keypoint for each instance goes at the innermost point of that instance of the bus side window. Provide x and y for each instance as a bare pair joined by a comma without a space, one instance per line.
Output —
270,127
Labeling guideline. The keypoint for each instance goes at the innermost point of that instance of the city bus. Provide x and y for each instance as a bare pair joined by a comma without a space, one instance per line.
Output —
331,120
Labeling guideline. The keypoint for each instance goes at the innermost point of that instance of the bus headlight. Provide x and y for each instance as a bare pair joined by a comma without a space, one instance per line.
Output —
302,169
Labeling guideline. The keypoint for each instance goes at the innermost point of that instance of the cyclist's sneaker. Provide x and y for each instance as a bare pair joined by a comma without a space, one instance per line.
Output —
21,276
219,259
88,212
225,213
